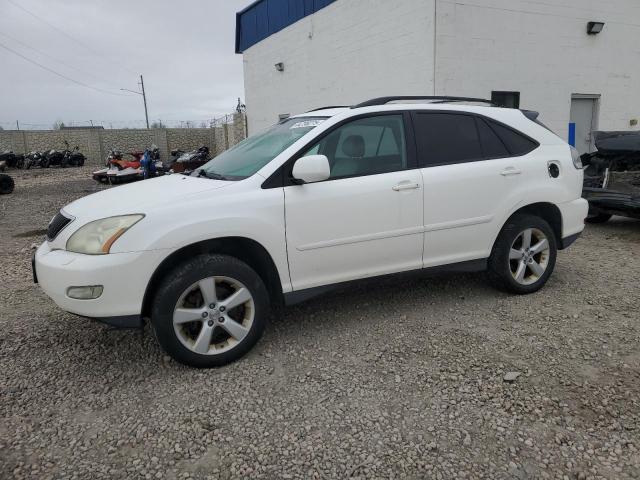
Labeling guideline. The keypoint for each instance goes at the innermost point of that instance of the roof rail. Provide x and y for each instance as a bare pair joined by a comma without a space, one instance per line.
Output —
328,108
436,99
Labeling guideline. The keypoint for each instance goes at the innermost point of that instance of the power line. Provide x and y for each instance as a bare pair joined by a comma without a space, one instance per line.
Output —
61,62
60,74
62,32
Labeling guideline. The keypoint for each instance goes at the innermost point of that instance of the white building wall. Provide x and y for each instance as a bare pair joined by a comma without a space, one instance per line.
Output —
353,50
346,53
542,50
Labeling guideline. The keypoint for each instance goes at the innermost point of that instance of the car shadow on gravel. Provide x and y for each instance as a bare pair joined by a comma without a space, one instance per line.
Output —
96,345
620,225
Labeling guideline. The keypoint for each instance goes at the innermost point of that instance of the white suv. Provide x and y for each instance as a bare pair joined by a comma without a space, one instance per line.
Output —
327,197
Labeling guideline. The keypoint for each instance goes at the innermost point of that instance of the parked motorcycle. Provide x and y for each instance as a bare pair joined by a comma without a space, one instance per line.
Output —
54,157
72,157
12,160
33,159
191,160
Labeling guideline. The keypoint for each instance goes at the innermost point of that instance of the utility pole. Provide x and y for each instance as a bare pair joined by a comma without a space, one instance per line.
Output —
144,97
17,125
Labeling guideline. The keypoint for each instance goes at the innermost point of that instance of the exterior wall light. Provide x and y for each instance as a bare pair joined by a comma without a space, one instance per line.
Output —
280,67
594,28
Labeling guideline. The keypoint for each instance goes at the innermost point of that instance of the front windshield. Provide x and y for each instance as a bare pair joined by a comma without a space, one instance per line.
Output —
250,155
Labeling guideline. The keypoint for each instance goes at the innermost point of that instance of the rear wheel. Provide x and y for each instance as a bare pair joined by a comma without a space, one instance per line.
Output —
210,311
524,255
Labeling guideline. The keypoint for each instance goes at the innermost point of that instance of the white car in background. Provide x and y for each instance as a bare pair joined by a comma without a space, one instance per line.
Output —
334,195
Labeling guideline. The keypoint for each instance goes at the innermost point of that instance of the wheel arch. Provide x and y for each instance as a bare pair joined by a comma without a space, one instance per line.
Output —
247,250
545,210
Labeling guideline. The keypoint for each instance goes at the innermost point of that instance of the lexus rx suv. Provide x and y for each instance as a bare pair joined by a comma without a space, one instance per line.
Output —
334,195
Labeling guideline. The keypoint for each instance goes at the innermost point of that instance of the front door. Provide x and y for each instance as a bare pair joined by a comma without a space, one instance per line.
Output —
584,121
366,220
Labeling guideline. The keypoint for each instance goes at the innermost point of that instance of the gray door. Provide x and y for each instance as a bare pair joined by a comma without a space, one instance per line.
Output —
584,114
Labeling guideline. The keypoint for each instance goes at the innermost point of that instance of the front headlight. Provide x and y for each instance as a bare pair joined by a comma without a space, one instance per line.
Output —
96,238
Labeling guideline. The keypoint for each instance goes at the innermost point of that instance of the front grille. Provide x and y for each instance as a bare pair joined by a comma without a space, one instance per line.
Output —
57,225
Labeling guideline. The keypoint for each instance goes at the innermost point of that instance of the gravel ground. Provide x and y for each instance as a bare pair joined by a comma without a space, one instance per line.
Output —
402,379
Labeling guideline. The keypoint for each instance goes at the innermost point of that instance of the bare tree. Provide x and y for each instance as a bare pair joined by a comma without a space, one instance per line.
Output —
58,124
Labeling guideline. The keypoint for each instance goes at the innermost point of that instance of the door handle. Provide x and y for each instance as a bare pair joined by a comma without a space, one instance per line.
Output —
510,171
406,186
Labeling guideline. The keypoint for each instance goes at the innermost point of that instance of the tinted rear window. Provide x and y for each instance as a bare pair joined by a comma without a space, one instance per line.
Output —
516,142
492,146
444,138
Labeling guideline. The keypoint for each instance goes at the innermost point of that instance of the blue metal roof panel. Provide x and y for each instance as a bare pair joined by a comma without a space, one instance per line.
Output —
263,18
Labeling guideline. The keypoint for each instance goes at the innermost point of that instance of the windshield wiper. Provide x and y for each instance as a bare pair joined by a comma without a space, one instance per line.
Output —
211,175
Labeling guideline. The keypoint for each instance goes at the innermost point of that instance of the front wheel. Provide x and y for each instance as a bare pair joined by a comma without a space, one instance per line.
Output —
6,184
210,311
524,255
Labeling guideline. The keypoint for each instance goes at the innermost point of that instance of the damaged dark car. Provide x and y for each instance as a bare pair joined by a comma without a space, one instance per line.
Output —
612,176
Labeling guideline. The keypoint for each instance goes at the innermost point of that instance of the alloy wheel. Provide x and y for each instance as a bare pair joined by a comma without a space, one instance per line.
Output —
529,256
214,315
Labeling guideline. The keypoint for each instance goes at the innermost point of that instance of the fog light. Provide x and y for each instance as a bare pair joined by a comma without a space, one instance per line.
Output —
85,293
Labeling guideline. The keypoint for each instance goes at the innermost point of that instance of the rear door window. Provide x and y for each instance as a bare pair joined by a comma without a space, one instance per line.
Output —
446,138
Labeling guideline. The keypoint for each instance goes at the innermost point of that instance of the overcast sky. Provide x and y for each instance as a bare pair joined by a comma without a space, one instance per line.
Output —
184,49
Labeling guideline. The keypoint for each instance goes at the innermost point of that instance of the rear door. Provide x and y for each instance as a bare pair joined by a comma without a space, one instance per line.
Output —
472,169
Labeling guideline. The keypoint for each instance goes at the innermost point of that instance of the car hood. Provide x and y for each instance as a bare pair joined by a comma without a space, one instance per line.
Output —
139,197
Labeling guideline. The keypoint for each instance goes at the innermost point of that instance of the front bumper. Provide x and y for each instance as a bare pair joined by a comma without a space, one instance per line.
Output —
124,276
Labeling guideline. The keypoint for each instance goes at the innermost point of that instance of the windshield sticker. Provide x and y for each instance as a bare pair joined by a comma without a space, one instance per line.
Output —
306,124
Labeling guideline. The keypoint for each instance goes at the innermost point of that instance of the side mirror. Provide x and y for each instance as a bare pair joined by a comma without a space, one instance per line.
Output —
312,169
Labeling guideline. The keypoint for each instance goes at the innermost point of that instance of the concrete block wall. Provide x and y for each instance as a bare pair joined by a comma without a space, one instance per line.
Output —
96,143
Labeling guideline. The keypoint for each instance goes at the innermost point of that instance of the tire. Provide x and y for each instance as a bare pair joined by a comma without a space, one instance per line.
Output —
20,163
46,163
6,184
525,271
81,162
180,290
598,218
